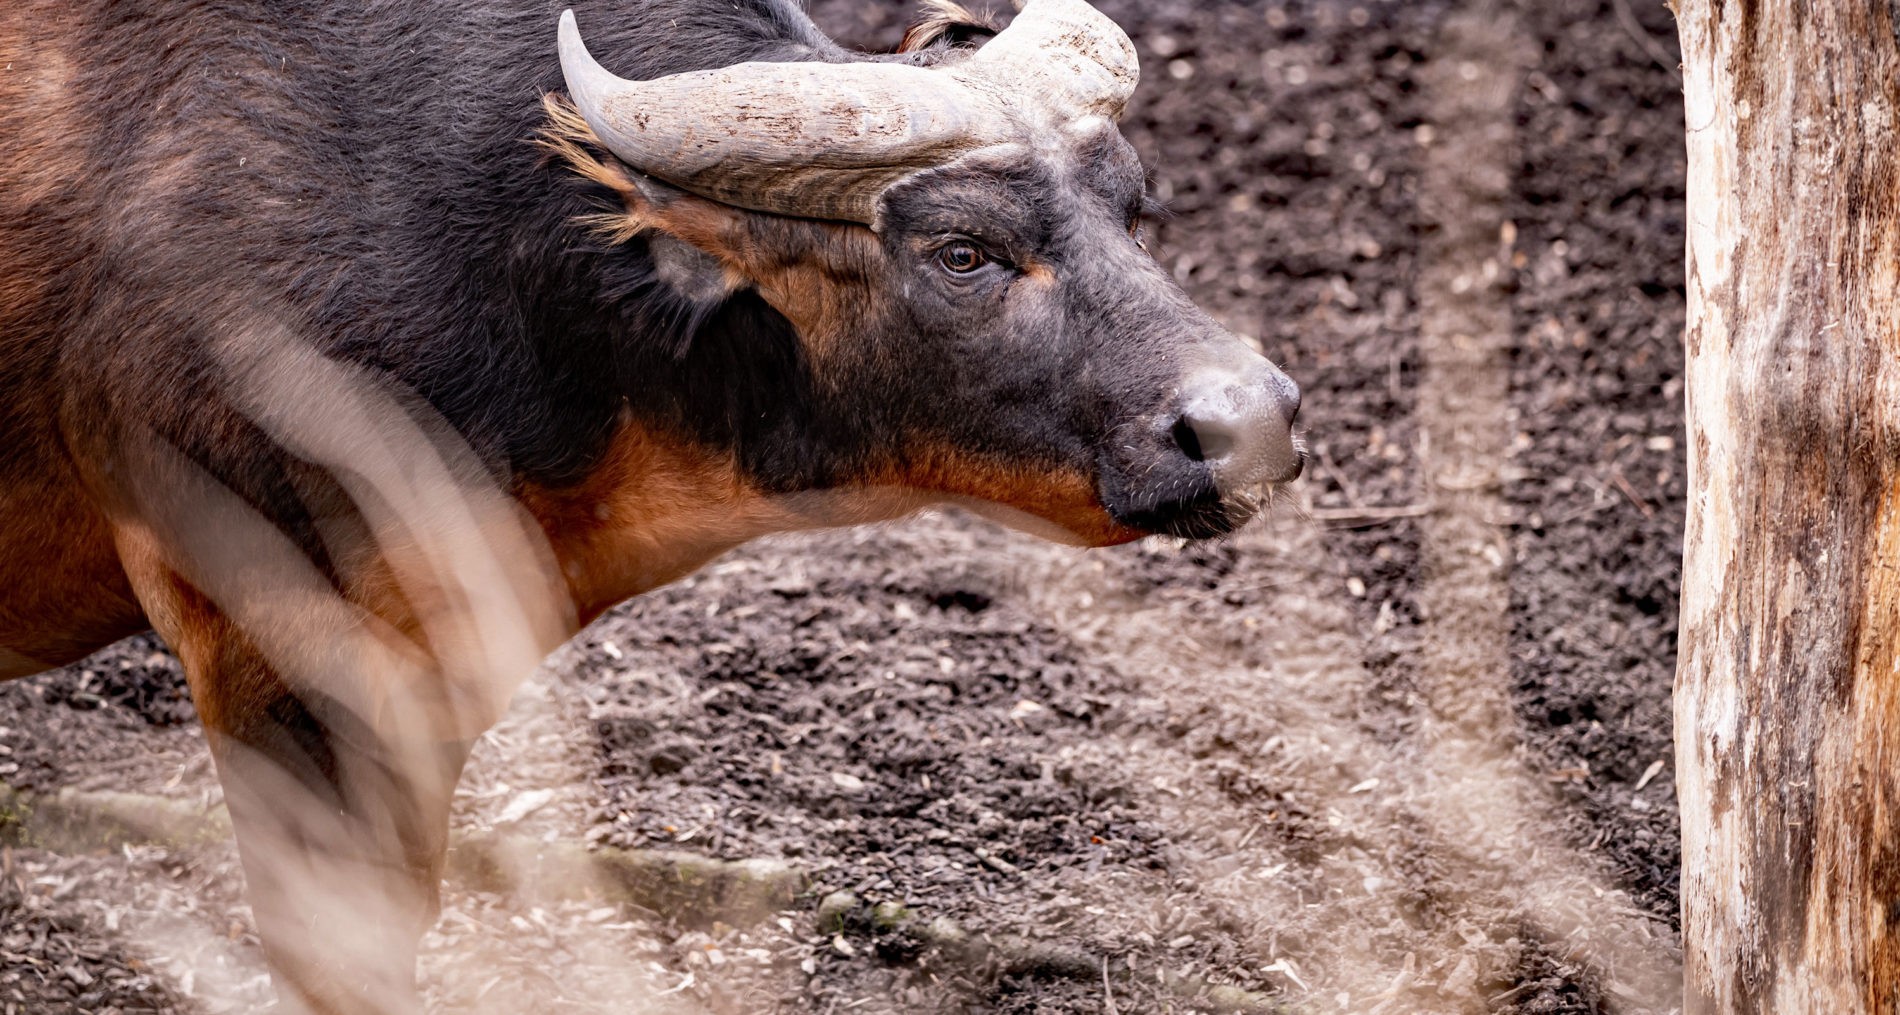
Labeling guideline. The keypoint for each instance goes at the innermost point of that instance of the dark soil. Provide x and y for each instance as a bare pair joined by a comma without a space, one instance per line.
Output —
859,715
902,712
1598,383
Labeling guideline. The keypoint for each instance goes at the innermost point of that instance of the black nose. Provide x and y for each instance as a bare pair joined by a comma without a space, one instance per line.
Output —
1241,424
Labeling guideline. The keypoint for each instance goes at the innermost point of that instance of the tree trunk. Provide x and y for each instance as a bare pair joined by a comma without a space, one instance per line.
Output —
1788,693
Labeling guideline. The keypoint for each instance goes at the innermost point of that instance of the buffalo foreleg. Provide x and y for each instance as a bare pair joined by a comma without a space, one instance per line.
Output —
340,803
342,836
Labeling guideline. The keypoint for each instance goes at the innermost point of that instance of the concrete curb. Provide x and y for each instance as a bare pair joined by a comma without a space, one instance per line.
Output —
694,889
1011,954
702,889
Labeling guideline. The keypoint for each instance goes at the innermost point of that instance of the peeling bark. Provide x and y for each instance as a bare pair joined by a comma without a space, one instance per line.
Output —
1788,689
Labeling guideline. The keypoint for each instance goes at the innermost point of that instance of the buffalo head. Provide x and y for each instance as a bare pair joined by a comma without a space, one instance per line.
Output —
955,237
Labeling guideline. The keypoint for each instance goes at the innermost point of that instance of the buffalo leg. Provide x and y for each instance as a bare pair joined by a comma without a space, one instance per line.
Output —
342,841
340,809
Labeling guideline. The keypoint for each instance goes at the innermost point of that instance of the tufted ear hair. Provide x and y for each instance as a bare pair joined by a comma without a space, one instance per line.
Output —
645,204
807,269
949,24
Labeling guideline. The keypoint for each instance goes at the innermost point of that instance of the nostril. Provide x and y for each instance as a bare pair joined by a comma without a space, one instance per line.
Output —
1188,441
1204,440
1241,430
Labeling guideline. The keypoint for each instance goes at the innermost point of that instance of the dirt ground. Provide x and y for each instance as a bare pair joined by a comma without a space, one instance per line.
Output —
1157,769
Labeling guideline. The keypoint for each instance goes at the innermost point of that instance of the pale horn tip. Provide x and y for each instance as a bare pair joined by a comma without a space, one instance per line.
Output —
570,36
589,84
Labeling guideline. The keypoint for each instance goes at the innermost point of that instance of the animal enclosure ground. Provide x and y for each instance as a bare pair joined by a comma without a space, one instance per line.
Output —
1147,770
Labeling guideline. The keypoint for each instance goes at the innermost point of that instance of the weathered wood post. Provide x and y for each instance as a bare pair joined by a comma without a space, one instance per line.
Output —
1788,693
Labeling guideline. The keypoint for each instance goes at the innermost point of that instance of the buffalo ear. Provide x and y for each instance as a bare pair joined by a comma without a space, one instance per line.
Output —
646,204
801,267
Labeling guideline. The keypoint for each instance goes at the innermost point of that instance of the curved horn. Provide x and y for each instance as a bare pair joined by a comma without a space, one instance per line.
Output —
814,140
1066,52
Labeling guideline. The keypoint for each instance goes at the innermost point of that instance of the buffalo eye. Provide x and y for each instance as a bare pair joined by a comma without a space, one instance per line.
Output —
962,257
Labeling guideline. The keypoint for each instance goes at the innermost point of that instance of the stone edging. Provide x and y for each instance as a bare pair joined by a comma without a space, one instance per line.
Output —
695,889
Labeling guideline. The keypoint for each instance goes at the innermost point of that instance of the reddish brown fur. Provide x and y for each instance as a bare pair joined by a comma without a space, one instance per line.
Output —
62,592
1064,497
194,628
659,508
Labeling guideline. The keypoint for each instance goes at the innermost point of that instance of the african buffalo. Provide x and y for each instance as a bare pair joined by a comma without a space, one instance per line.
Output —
365,351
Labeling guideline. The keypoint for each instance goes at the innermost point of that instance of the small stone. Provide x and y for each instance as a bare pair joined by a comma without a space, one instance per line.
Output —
833,909
889,915
524,804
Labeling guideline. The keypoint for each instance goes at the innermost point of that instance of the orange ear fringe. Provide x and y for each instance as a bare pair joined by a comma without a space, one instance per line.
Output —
568,139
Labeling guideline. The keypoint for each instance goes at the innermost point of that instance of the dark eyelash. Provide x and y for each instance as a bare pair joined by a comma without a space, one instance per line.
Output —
993,255
997,253
1153,209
